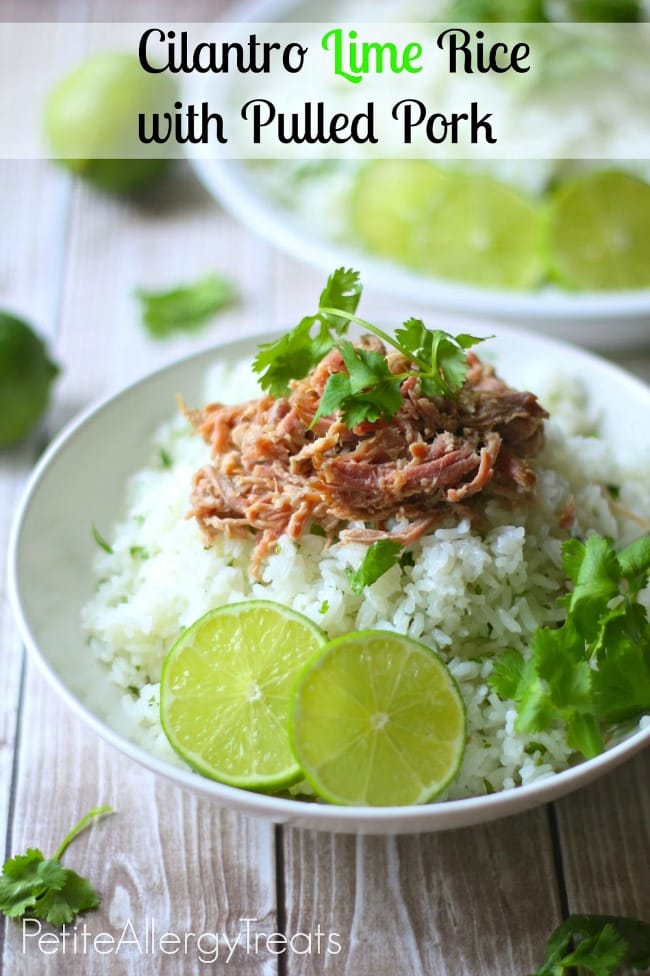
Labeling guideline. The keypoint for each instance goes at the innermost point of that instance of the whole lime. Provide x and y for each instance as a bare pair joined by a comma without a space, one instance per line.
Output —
91,121
26,374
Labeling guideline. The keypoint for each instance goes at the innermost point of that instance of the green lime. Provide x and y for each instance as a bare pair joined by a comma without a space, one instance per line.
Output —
599,232
393,206
91,121
226,690
26,374
485,233
378,720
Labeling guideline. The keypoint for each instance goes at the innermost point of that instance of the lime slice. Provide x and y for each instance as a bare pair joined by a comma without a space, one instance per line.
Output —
226,688
599,232
378,720
393,206
460,226
486,233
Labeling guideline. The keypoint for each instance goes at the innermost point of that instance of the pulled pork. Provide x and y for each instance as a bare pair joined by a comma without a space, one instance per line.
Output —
273,473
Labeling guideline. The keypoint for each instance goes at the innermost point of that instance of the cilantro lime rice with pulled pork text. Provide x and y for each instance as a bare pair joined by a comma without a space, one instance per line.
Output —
389,484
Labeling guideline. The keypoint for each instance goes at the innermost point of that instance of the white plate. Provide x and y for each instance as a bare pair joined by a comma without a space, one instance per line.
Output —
80,481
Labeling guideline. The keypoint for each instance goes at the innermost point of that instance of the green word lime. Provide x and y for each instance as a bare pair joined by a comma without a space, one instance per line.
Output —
91,121
26,375
226,689
378,720
599,232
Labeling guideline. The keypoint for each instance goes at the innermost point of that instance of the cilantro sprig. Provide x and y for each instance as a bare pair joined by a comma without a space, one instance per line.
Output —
38,887
186,307
367,390
598,944
297,352
594,670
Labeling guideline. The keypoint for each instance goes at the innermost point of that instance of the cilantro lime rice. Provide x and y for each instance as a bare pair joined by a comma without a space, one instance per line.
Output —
467,594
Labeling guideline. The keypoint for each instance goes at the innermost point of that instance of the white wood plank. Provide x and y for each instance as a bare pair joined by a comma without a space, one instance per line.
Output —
33,204
605,836
164,862
165,855
479,901
173,236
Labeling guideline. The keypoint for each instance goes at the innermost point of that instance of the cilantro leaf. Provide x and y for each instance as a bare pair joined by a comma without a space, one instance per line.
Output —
61,905
297,352
368,392
601,953
595,573
23,877
415,338
31,885
595,668
634,561
291,356
186,307
381,556
100,540
342,291
603,943
621,685
373,392
443,354
507,674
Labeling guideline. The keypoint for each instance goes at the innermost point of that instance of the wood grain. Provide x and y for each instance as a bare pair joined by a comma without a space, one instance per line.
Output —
605,837
479,901
165,862
476,901
33,205
165,855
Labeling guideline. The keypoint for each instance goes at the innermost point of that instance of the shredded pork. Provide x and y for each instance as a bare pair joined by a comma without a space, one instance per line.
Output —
272,473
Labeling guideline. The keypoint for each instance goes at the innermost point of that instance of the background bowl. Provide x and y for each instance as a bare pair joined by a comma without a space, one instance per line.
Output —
601,320
80,481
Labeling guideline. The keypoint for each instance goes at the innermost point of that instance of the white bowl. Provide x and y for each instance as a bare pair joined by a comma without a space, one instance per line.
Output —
600,320
80,481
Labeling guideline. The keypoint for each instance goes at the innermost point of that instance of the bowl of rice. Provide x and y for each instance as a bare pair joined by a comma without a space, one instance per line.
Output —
106,569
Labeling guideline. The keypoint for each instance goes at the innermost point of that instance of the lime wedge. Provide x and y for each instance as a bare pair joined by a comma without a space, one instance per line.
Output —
226,688
393,206
599,232
377,720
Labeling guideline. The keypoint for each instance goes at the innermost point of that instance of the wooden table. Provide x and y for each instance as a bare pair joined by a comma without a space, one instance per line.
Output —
479,901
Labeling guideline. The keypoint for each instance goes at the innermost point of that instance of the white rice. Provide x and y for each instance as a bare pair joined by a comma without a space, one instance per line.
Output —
467,595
